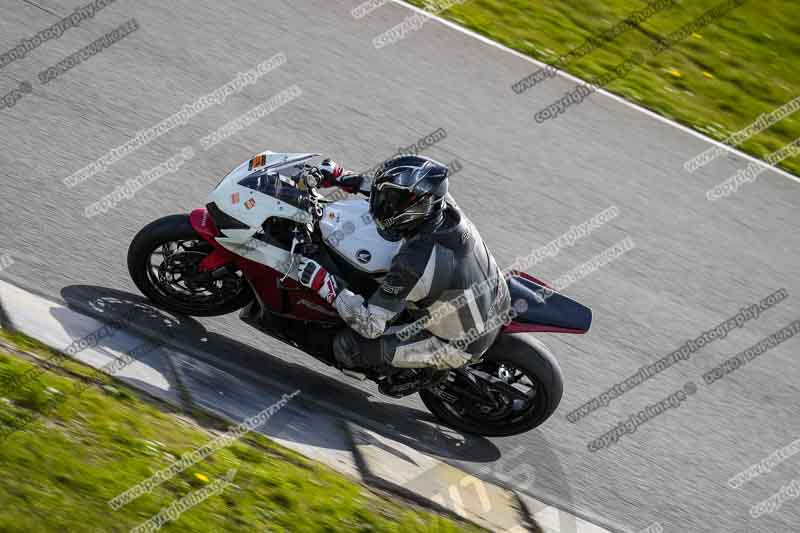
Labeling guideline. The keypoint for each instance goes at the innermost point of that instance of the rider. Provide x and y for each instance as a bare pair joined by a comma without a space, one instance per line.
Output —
442,262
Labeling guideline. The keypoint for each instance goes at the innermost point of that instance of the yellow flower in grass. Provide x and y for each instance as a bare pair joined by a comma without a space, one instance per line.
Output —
202,478
676,73
708,75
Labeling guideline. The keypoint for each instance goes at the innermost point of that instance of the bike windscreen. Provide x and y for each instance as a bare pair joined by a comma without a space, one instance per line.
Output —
274,185
287,164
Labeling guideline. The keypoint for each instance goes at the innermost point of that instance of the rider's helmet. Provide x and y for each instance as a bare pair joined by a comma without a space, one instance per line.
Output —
407,192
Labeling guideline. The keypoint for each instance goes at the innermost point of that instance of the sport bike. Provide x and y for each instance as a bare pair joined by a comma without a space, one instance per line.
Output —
241,252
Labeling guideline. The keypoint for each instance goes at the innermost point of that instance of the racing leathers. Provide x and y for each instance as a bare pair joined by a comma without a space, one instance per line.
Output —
444,278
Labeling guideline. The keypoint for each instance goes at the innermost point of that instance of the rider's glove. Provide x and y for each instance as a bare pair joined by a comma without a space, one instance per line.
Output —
334,175
312,275
331,172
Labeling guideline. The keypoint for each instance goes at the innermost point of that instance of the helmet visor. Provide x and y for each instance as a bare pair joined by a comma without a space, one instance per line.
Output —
387,200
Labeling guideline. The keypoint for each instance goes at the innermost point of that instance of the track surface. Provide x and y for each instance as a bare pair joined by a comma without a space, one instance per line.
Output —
696,262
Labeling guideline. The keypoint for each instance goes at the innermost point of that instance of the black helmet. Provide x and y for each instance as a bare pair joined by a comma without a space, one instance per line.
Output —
407,191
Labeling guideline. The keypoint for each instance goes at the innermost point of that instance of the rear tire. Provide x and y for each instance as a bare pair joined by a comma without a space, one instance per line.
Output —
532,358
224,296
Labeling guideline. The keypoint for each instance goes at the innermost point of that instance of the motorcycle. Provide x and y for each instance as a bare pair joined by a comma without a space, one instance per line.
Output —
241,252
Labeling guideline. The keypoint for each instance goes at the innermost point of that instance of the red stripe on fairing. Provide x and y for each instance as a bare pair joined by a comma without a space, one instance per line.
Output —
204,226
319,279
525,275
518,327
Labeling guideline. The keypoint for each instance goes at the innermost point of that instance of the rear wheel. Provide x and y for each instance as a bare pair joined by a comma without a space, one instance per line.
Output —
521,387
163,261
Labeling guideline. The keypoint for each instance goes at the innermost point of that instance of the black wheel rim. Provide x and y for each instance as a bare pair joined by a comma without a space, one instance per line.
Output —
173,270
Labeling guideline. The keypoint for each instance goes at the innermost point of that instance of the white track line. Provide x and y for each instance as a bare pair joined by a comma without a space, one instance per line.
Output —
613,96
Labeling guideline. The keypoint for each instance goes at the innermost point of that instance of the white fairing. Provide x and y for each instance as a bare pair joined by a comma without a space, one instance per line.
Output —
252,207
349,230
346,225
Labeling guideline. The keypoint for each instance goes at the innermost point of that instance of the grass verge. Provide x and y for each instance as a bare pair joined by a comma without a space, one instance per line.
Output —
717,81
78,451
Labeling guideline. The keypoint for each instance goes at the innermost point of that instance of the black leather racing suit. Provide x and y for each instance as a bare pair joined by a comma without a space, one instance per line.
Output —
453,290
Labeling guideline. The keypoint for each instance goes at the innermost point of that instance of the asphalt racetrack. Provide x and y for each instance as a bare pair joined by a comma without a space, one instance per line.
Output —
694,265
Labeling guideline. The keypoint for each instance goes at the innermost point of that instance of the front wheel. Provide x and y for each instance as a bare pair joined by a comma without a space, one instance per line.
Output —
163,261
521,386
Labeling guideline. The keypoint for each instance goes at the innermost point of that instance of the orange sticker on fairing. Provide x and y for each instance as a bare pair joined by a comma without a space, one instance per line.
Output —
250,204
257,161
235,198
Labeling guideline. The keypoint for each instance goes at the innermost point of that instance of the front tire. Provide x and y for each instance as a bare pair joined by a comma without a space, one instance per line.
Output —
527,357
172,283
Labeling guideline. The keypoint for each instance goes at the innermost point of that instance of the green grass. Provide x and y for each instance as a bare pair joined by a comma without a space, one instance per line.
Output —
717,81
58,473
